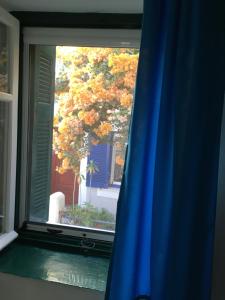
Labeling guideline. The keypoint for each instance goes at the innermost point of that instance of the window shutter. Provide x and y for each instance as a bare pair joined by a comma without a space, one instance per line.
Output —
42,99
102,156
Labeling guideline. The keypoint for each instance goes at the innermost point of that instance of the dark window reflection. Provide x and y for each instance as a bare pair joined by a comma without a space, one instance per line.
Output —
4,74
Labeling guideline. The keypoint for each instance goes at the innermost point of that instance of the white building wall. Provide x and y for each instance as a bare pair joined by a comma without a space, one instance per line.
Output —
82,198
100,198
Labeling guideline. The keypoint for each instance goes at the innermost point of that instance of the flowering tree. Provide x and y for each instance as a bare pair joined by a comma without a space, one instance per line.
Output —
94,91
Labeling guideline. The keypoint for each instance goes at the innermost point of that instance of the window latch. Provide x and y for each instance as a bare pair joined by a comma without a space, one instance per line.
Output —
88,244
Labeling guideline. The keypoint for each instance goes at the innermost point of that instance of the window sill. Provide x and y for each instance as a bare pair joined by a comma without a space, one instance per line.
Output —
29,261
7,238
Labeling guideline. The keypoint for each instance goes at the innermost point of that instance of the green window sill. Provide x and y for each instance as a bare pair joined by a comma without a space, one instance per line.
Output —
29,261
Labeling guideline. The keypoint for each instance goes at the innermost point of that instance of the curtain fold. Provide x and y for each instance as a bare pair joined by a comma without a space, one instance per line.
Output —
166,210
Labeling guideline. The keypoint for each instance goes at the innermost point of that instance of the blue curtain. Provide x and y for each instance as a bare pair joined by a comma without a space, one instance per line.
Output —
166,211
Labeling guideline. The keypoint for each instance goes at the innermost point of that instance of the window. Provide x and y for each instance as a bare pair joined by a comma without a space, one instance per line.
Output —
78,99
9,46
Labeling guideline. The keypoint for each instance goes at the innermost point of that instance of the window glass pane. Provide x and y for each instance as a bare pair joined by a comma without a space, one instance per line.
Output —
92,103
4,56
4,116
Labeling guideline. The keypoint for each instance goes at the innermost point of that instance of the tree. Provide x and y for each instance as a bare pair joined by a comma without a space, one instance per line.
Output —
94,92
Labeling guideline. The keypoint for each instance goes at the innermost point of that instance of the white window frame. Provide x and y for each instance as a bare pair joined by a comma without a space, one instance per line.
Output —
82,37
64,37
12,98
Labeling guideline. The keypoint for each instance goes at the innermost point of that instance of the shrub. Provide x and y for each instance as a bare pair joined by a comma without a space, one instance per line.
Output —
90,216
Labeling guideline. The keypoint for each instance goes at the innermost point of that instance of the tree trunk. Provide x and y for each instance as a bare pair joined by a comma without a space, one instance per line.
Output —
90,182
74,189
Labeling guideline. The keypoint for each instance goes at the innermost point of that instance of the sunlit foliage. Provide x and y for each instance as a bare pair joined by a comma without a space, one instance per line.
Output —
94,94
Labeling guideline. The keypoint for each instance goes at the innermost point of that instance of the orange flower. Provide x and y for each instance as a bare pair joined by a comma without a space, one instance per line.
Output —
81,114
119,160
60,155
104,129
60,170
118,146
89,117
65,163
94,142
55,121
126,100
